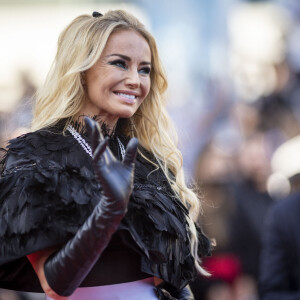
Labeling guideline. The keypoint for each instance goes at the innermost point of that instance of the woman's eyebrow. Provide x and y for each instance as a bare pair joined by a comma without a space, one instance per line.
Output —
127,58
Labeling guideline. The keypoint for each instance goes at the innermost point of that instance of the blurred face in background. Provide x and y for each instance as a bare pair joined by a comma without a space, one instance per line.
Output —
254,162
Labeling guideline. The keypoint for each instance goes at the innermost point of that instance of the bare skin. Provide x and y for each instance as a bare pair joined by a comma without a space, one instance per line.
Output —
38,260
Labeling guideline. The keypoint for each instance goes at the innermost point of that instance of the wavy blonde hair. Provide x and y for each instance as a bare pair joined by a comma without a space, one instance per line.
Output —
79,47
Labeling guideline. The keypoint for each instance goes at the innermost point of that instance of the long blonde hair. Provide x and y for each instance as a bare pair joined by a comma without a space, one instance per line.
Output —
79,47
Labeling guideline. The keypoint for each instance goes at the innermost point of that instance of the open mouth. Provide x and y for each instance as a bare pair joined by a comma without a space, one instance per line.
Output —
127,96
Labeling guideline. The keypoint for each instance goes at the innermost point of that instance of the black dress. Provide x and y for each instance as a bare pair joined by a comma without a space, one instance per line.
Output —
47,191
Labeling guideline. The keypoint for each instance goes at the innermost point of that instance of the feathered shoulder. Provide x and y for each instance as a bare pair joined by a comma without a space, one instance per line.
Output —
43,188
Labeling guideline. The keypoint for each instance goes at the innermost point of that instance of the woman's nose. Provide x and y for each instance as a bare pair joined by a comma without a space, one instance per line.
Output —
133,79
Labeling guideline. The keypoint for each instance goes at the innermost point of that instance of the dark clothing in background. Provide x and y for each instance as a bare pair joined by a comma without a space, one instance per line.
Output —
251,207
280,259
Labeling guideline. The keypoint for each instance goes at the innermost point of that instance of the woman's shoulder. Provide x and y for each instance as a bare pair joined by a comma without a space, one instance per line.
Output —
45,194
42,141
35,147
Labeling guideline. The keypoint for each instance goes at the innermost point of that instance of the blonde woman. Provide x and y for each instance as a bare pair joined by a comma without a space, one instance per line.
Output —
80,216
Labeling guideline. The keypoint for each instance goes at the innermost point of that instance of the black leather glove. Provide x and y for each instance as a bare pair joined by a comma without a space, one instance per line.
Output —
165,291
66,268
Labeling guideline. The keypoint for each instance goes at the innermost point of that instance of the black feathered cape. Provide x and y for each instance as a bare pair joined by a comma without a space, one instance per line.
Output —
48,189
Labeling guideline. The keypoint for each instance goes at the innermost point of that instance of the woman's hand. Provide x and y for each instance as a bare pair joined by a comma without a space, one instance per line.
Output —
115,177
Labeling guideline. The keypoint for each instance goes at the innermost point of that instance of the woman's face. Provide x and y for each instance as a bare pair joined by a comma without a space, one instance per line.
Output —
120,80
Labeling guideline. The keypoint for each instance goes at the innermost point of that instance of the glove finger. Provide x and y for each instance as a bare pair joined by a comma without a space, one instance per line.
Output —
100,149
89,124
131,151
92,128
108,155
96,137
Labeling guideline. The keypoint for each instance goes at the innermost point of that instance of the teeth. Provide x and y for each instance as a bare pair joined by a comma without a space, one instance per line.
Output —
126,95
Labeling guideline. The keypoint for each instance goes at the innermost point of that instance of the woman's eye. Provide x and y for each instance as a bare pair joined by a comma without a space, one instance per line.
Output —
146,70
119,63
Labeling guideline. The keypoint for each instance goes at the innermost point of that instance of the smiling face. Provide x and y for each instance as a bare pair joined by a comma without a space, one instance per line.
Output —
120,80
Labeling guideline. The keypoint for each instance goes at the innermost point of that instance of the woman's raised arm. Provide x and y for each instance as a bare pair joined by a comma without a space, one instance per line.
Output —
62,271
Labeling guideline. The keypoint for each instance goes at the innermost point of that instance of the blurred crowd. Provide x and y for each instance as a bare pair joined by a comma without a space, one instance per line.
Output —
248,162
252,162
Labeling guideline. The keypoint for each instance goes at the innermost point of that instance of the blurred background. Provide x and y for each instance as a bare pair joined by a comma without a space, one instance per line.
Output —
233,69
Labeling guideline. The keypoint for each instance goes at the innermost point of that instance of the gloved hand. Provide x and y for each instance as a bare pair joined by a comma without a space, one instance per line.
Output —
167,292
115,178
66,268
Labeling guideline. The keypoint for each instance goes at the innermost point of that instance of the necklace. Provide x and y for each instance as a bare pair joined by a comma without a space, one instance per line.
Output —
86,147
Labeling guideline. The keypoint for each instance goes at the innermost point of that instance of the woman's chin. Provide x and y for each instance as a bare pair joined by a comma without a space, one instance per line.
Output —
126,114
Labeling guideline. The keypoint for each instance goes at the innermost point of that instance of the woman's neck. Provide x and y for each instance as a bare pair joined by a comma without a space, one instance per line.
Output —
106,128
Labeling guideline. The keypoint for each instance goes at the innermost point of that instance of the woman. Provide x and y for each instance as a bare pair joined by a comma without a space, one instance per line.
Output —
96,221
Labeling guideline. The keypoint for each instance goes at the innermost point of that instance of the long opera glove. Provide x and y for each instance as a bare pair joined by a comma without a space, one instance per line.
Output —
67,268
